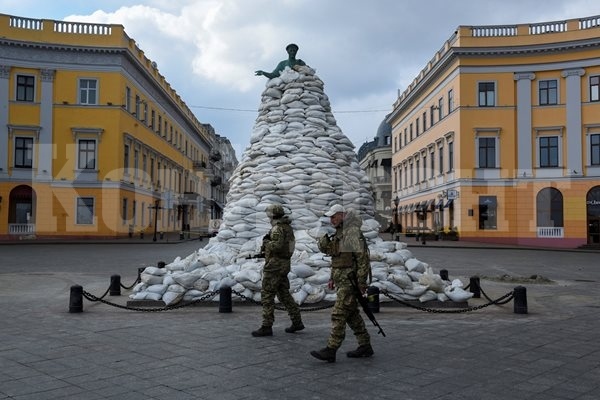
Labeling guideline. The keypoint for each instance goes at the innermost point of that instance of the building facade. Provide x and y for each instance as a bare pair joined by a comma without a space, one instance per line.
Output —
498,137
94,142
375,158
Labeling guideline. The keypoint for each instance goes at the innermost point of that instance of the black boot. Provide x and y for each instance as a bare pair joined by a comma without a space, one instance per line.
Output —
296,326
364,350
263,331
325,354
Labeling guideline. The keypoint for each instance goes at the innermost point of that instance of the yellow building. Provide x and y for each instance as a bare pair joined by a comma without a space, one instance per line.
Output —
93,141
498,137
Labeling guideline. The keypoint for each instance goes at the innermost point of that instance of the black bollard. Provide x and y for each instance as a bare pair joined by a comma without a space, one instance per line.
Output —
444,274
76,299
373,298
520,300
115,285
161,264
225,300
474,287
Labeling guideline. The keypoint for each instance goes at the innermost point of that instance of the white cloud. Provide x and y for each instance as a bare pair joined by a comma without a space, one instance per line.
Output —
208,50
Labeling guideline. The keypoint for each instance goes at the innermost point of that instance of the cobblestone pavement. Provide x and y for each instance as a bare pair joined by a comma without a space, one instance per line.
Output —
105,352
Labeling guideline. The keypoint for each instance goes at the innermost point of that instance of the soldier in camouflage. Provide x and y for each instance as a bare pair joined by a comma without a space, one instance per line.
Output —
349,260
278,247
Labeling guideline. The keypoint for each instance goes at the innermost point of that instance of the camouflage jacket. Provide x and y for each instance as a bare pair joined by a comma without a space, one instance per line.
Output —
279,245
348,248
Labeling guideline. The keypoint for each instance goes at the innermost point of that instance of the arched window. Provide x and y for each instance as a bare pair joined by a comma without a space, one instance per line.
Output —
549,206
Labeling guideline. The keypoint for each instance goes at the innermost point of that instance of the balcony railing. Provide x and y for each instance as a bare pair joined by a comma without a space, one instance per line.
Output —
550,232
21,229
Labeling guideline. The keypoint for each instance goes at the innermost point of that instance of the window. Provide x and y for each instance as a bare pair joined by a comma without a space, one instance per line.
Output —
411,175
487,94
87,154
548,92
549,208
85,211
417,127
395,144
23,152
25,88
548,146
128,98
388,142
487,212
424,121
431,115
137,107
126,159
441,159
450,156
136,162
441,108
595,149
418,170
160,124
124,211
405,141
144,164
411,131
152,118
487,152
450,101
595,88
145,113
88,91
424,168
432,166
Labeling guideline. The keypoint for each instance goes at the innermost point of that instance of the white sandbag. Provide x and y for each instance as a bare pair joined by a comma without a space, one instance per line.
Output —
406,254
201,285
149,279
186,279
154,271
429,295
442,297
227,282
392,288
146,296
302,270
319,278
247,275
299,296
458,294
394,258
415,265
316,296
403,280
416,290
160,289
434,281
172,297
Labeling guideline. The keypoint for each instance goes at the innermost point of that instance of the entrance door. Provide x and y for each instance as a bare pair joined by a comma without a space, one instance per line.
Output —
593,215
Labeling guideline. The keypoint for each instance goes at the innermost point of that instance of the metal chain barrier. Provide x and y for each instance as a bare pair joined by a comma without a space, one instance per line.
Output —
280,308
206,296
502,300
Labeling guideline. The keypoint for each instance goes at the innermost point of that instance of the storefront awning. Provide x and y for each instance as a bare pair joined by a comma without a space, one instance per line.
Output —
440,204
448,203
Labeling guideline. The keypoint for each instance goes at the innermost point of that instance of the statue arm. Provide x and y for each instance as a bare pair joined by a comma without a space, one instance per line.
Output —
273,74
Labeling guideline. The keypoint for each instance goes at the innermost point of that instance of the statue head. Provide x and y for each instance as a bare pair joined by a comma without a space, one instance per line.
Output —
291,46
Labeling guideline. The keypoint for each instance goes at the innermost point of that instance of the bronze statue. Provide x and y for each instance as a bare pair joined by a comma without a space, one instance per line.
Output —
292,61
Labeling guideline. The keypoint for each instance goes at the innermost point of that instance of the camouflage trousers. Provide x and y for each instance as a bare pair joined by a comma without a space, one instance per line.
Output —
345,311
276,283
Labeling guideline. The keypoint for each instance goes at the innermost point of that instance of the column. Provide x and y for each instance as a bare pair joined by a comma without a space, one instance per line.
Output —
574,144
4,97
524,165
44,157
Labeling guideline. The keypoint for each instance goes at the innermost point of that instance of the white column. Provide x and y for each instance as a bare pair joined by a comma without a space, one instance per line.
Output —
524,161
44,161
4,97
574,144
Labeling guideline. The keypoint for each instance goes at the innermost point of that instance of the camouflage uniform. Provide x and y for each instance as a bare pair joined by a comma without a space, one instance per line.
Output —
349,257
278,247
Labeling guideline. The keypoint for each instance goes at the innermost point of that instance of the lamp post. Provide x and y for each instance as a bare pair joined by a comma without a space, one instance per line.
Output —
155,207
396,202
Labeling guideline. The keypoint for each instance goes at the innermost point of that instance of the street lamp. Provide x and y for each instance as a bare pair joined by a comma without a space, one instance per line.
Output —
155,207
396,202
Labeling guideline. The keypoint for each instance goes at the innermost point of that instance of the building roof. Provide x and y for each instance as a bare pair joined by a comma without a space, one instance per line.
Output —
383,131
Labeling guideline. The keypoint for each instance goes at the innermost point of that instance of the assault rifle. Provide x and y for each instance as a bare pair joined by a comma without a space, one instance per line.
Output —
364,304
252,256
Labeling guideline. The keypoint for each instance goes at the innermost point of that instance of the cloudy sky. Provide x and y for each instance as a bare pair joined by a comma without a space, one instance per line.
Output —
364,51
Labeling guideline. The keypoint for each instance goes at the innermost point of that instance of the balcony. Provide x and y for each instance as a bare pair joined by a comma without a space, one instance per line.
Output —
550,232
216,181
215,156
21,229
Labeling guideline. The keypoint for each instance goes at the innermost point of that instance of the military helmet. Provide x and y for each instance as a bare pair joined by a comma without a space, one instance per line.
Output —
275,211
